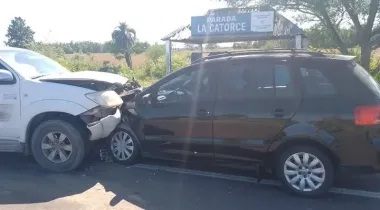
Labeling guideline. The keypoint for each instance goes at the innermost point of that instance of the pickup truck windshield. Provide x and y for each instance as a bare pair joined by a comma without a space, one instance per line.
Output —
31,64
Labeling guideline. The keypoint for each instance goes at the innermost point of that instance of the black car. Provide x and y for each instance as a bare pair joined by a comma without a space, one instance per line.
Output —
303,115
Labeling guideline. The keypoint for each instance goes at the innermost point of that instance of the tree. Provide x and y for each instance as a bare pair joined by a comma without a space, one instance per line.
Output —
140,47
108,47
155,52
19,34
320,37
334,14
375,42
124,38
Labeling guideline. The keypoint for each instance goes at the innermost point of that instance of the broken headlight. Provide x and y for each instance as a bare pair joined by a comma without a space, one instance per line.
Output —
97,113
105,98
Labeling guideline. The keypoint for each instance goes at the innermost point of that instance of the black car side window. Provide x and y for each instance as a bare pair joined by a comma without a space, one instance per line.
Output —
186,86
247,81
316,83
283,81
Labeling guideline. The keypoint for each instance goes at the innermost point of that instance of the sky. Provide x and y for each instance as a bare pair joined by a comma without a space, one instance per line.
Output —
86,20
80,20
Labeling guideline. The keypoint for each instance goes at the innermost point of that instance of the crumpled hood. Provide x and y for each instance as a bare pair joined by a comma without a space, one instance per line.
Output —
87,79
88,75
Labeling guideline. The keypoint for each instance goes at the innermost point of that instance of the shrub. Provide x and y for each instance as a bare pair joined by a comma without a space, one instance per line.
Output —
157,69
154,67
155,52
76,63
355,51
50,51
374,66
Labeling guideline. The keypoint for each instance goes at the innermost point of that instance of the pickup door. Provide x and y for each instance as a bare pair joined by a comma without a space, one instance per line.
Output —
9,113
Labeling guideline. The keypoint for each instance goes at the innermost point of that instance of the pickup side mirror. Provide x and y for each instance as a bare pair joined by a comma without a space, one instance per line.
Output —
6,77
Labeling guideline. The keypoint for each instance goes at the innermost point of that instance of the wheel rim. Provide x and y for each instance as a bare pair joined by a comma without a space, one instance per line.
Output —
122,146
304,172
56,147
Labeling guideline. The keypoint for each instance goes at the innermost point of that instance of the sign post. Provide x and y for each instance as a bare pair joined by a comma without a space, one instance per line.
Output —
298,41
201,49
168,57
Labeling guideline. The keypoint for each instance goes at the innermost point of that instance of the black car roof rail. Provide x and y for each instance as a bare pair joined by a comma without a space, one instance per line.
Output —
256,51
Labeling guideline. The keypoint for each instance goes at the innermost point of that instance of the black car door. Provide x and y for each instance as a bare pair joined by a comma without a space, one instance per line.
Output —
177,122
255,100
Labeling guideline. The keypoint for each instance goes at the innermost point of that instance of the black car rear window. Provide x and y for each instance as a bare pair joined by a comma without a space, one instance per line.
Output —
256,80
366,78
316,83
326,78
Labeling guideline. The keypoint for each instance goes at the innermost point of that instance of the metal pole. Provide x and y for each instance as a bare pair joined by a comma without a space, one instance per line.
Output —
298,41
201,48
168,57
305,43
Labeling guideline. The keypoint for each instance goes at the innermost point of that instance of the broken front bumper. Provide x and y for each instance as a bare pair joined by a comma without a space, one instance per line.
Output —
103,128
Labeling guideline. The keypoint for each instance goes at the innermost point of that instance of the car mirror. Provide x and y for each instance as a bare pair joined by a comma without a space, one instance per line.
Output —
147,98
6,77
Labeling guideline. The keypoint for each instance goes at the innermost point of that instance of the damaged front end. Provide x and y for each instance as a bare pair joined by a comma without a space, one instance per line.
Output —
102,120
110,93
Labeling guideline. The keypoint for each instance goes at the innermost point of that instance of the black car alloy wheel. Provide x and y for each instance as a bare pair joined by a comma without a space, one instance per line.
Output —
305,170
123,146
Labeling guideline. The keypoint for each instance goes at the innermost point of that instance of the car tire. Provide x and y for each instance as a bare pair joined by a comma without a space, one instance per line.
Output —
305,171
123,146
58,146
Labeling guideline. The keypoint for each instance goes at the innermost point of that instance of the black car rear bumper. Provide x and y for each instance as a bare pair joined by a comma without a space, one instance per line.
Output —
363,158
370,167
358,170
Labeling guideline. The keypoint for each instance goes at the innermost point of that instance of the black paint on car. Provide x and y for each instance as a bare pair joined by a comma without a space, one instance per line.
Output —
302,114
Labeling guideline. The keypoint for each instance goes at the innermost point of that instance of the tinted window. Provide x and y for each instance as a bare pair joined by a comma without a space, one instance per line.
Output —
366,78
187,85
283,81
315,83
247,81
255,80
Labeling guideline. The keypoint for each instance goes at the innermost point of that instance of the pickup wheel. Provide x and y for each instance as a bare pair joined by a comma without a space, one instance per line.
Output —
305,171
123,146
58,146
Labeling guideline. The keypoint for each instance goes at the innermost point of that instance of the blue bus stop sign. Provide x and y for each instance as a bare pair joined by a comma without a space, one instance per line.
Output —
232,24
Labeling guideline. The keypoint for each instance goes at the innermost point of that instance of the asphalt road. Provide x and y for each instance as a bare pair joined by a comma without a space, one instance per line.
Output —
150,185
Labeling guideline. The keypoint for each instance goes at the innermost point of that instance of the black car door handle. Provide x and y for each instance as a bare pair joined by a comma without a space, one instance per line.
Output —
279,113
203,113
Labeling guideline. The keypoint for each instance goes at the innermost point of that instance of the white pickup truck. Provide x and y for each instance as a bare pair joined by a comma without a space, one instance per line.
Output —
52,113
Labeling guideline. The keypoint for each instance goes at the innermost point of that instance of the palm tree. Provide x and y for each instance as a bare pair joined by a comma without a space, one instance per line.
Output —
124,37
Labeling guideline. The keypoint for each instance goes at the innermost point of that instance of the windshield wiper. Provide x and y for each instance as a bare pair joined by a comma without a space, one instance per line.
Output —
38,76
